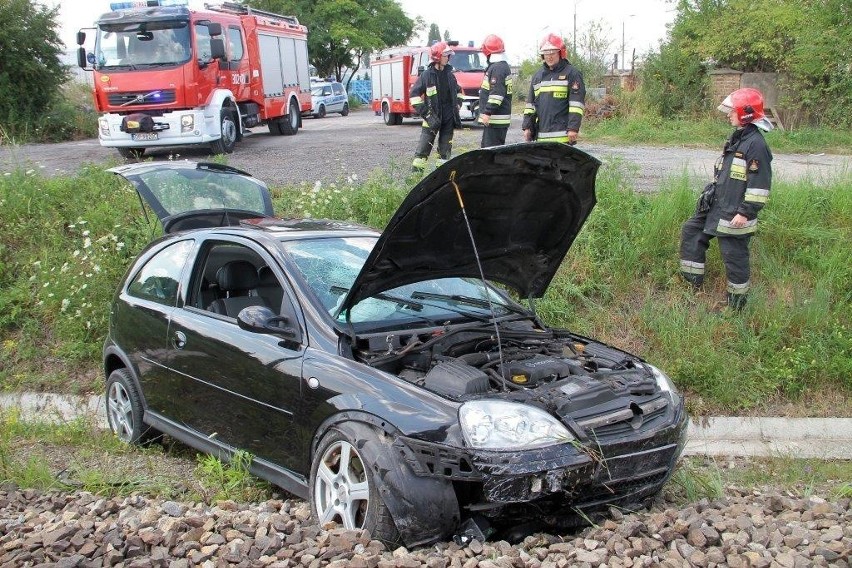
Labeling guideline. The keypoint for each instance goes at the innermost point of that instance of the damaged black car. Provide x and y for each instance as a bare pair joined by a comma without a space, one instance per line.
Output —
392,380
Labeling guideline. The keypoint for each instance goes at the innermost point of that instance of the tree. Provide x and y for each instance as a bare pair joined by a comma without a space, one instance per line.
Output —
342,32
434,34
31,73
446,34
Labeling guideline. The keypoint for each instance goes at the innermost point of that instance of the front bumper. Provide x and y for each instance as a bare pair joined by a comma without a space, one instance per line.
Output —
584,476
168,131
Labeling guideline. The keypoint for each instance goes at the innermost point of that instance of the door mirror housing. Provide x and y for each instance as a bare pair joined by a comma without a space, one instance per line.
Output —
260,319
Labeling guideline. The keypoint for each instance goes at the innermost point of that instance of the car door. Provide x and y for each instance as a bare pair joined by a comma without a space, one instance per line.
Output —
238,387
337,97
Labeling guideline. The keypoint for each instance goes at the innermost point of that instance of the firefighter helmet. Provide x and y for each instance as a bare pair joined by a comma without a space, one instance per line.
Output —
553,41
492,44
748,103
439,49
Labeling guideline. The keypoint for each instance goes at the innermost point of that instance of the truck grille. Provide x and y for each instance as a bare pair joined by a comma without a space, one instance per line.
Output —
164,96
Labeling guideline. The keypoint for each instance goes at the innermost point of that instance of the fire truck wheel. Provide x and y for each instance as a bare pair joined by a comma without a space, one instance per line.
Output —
225,144
131,153
388,116
345,110
321,111
290,123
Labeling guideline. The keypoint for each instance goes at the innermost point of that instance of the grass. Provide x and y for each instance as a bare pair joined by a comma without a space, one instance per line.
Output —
619,283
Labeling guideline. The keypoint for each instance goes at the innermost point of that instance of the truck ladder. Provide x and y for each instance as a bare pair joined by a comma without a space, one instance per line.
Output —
235,8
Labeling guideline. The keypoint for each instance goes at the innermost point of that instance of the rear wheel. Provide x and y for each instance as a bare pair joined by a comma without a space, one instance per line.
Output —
225,144
397,119
290,124
124,409
345,110
131,153
388,116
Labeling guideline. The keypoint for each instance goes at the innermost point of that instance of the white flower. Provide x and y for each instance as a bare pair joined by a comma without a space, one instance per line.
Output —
86,233
30,172
65,302
37,264
119,246
76,253
87,243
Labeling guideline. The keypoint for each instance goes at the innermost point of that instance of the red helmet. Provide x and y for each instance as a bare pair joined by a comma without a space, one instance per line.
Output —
439,49
553,41
492,44
747,102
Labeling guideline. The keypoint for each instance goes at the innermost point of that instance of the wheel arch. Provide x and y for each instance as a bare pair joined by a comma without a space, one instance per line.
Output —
424,509
223,99
115,359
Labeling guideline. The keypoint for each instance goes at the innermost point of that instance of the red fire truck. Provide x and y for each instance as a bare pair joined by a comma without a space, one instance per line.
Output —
395,71
166,75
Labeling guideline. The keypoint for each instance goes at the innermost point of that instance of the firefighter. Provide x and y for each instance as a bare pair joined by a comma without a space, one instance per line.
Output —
495,93
557,97
436,97
728,206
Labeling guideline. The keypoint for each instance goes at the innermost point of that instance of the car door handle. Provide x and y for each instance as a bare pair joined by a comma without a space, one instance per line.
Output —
179,340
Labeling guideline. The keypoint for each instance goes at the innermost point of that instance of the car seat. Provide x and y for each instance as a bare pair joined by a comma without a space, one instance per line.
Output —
236,279
269,289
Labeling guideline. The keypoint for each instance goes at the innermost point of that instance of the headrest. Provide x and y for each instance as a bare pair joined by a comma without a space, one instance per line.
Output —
237,275
266,277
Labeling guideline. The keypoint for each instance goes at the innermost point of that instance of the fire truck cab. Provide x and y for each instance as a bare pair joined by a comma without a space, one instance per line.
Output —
166,75
395,71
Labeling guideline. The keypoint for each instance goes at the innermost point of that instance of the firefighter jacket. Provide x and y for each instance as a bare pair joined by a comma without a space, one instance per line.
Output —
556,102
426,99
742,180
495,94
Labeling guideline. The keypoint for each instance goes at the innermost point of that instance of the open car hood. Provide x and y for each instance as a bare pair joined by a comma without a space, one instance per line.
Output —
525,204
189,195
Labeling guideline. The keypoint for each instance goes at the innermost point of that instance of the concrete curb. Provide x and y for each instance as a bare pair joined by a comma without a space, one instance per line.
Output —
821,438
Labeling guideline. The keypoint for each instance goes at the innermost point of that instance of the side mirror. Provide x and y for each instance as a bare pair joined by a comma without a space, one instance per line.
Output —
217,48
81,37
214,28
420,70
81,57
260,319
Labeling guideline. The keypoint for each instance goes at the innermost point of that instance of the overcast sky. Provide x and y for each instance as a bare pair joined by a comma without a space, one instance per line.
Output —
643,22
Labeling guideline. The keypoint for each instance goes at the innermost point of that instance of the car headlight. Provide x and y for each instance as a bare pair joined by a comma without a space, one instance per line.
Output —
499,425
664,382
103,124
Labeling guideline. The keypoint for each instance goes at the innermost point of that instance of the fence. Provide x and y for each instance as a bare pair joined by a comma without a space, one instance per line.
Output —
361,89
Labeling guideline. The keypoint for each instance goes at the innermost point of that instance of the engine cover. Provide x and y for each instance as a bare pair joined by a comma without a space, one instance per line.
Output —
532,371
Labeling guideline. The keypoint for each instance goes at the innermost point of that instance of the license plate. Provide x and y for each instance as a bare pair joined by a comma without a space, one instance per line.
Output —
145,136
637,464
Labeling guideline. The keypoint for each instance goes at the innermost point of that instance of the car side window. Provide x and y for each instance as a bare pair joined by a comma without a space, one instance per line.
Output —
338,89
158,280
235,37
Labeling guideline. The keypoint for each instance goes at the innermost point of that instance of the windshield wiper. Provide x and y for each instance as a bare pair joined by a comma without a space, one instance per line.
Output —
477,302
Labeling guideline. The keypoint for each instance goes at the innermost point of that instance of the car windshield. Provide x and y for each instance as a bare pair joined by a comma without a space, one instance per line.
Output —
145,44
330,266
468,61
321,90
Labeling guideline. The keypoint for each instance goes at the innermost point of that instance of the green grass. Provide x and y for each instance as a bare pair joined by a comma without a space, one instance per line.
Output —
710,132
68,240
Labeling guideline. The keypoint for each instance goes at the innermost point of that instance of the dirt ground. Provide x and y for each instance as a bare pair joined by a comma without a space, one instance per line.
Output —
335,148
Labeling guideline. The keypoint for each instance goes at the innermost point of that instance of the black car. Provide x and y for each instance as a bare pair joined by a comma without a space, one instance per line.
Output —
391,379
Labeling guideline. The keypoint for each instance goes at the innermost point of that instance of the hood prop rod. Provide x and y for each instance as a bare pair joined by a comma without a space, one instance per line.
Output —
481,275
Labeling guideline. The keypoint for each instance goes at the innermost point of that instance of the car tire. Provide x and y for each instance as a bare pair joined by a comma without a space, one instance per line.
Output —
342,487
225,144
131,153
397,119
321,111
345,111
274,126
388,116
290,124
124,410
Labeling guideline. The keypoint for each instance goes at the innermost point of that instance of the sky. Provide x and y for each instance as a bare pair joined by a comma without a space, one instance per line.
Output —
643,22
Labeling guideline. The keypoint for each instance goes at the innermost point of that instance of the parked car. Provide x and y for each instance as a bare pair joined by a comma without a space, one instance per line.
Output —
329,97
389,378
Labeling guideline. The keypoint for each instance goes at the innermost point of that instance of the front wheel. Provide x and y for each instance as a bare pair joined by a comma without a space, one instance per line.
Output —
225,144
131,153
124,409
342,488
345,110
290,124
321,111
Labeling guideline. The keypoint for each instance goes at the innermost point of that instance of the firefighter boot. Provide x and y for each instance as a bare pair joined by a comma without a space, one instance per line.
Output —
418,165
694,280
736,301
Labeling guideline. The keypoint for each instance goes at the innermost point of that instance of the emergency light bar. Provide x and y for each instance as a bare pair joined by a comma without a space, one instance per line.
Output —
145,4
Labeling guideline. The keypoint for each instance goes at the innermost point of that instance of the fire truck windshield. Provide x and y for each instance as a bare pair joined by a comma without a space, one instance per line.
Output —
142,44
468,61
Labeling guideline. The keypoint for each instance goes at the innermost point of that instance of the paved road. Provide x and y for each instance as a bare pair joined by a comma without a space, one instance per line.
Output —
333,148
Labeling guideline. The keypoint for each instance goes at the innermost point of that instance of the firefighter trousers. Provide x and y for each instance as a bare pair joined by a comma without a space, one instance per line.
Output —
427,140
735,254
494,136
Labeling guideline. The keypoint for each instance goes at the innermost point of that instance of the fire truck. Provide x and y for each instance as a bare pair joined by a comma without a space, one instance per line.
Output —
395,71
167,75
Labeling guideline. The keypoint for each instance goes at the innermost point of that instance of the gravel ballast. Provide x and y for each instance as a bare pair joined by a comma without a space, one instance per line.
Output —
744,529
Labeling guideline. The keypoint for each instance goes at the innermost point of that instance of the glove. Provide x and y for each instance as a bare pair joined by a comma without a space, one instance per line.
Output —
705,201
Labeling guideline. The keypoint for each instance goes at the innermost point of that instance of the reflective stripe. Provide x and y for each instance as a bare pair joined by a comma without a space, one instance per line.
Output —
554,84
431,91
756,195
500,119
485,85
738,288
495,99
460,95
554,89
738,169
560,136
576,108
578,104
529,109
416,100
691,267
425,124
725,227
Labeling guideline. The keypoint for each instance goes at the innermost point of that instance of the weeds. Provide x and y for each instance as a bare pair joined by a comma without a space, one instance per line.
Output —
221,481
698,483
